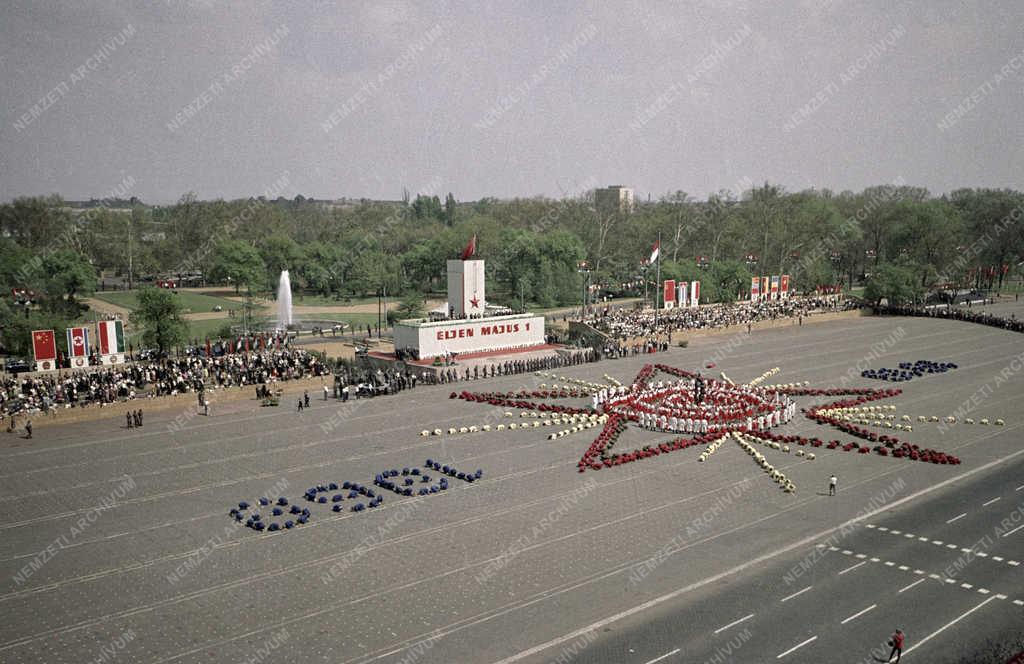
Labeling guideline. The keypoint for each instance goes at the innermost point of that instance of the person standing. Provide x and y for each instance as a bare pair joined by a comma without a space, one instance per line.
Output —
300,405
325,392
897,645
128,418
206,408
140,417
832,485
28,428
305,398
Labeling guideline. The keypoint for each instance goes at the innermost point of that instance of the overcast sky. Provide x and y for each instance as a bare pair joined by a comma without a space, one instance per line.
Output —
507,99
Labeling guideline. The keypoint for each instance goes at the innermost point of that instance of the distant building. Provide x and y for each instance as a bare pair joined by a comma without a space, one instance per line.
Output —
615,198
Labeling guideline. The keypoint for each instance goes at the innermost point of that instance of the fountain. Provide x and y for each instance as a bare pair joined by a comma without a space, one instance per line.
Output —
284,302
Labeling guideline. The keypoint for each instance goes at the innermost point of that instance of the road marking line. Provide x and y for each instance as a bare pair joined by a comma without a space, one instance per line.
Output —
904,568
998,559
799,645
957,517
1013,531
1019,488
950,580
869,525
668,654
1012,562
643,606
860,556
983,591
895,532
966,586
858,614
1000,596
733,623
953,546
864,562
918,571
889,563
832,548
847,552
938,542
994,500
882,528
911,585
876,560
981,553
945,627
935,576
799,592
1018,602
909,535
923,539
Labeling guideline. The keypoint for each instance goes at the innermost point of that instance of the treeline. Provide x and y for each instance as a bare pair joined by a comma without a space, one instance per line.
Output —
906,239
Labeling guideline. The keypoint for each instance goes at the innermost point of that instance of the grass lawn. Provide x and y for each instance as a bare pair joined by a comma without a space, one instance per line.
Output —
316,300
196,302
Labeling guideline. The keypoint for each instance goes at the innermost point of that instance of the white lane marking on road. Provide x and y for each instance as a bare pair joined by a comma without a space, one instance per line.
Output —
923,539
945,627
889,563
994,500
1013,531
869,525
909,535
953,546
1012,562
799,645
668,654
966,586
733,624
895,532
882,528
863,562
957,517
998,559
858,614
815,537
984,591
938,542
860,556
1019,488
910,586
1000,596
799,592
1018,602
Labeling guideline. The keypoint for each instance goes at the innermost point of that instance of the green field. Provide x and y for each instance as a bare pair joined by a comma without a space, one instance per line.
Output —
194,302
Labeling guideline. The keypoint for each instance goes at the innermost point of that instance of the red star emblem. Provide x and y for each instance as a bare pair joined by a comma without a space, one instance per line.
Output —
475,302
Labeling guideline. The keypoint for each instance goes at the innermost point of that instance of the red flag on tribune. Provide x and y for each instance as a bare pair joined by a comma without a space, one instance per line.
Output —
470,249
44,345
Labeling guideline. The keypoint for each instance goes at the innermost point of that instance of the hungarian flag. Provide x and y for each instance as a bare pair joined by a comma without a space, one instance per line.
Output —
655,252
78,341
470,249
111,333
44,345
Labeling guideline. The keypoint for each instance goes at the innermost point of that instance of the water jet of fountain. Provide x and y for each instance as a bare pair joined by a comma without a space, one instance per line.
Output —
284,302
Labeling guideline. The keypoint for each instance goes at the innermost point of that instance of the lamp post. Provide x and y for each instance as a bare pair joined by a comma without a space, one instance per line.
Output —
583,267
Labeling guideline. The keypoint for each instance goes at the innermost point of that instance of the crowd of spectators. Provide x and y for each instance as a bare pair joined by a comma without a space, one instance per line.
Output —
954,313
627,324
154,378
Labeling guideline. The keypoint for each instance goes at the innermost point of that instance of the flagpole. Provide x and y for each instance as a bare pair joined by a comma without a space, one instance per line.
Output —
657,282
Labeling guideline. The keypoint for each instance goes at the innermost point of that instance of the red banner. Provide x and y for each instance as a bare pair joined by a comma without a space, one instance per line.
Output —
670,291
755,288
784,289
44,345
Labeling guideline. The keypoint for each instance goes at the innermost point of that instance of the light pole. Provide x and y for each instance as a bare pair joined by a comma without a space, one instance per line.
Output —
583,267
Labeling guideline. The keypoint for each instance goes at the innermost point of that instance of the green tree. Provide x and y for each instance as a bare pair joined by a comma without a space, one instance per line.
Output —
237,262
159,316
66,274
896,284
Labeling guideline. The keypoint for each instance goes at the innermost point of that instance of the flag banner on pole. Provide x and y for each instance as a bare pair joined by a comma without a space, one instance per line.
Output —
784,288
470,249
670,293
683,294
44,348
755,288
764,288
111,337
78,347
655,251
694,293
775,286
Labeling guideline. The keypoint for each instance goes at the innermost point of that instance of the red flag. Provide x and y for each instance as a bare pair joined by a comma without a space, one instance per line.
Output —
470,249
209,349
44,345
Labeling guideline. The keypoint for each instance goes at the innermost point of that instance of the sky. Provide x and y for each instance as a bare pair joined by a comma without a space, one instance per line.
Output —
507,99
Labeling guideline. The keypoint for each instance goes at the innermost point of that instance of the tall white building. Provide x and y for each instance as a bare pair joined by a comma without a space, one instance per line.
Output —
615,198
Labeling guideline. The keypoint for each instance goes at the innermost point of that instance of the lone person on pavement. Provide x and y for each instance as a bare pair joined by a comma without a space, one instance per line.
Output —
897,645
832,485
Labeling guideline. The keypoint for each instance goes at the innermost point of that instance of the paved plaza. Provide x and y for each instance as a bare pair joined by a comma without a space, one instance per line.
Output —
118,544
